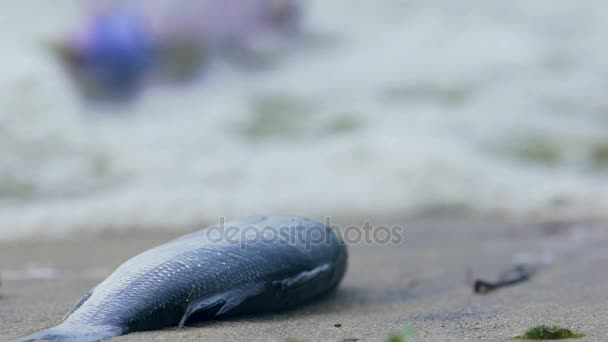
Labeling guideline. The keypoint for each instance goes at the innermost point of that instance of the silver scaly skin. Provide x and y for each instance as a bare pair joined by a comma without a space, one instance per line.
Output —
262,264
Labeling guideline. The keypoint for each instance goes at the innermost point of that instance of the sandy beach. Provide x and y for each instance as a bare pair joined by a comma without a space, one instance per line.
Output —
425,282
478,126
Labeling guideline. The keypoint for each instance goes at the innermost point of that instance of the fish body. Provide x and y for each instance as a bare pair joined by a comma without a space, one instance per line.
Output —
253,265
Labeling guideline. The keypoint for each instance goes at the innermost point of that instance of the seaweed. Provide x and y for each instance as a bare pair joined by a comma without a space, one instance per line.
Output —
396,338
538,151
599,155
405,331
516,275
544,332
277,115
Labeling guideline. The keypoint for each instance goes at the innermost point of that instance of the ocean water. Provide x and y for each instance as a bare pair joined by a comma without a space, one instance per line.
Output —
474,107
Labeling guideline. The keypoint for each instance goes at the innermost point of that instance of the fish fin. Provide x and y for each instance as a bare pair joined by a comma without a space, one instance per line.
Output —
208,304
74,334
236,297
302,278
79,303
223,303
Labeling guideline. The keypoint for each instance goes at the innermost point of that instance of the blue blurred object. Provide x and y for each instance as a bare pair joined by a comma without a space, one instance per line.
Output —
120,49
112,56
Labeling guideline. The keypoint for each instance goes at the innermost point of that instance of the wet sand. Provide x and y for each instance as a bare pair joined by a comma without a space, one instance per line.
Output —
422,281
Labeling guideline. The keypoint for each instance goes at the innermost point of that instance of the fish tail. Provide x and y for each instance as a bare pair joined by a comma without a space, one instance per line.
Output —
42,335
73,334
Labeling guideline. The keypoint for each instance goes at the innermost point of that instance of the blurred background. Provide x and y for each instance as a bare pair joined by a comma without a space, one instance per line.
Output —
390,107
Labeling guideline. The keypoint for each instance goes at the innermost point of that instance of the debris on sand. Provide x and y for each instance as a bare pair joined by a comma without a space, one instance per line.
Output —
401,336
518,274
543,332
395,338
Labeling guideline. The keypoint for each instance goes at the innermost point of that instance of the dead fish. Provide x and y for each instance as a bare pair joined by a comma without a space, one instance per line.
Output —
248,266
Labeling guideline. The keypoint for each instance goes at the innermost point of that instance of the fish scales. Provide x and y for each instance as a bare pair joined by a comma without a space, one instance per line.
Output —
203,276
